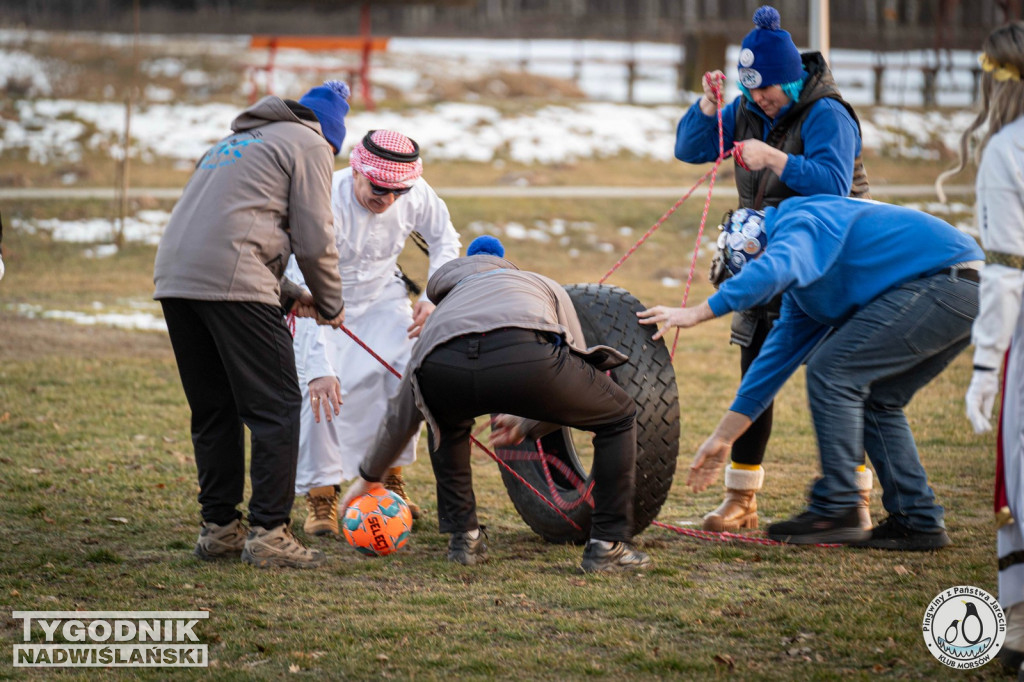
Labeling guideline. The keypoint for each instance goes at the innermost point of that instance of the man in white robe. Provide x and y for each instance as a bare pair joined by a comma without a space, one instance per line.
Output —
378,202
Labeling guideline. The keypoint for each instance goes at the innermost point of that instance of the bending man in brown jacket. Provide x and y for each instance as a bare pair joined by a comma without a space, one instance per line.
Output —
506,341
256,197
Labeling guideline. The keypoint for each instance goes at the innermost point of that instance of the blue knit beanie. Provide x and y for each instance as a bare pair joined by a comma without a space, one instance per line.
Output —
328,102
486,245
768,55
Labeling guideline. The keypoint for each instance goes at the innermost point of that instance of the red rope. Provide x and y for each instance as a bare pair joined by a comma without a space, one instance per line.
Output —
370,351
716,536
717,90
737,154
525,483
722,155
725,536
584,494
653,229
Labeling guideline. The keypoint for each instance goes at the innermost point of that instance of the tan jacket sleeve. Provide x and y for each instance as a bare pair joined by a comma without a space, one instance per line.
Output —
290,292
312,228
399,426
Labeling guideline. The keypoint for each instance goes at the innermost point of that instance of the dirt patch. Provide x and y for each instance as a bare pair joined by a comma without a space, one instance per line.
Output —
29,339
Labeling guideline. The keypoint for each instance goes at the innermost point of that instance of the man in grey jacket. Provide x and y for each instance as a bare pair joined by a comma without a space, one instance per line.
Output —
506,341
256,197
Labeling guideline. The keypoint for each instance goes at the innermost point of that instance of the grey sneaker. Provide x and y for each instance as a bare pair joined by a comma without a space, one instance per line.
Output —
278,547
466,550
221,542
600,556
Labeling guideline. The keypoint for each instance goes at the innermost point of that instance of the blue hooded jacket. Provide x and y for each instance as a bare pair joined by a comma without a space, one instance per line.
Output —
830,257
830,137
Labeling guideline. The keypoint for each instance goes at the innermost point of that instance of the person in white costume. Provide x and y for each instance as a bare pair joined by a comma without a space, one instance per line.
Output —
997,134
378,202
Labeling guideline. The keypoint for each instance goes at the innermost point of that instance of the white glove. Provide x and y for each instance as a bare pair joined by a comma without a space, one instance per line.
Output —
981,396
1,268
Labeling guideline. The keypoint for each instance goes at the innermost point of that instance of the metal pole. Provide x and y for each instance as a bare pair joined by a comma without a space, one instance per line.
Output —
364,66
818,30
122,212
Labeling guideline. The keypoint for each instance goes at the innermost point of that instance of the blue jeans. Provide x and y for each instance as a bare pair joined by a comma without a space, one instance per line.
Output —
861,378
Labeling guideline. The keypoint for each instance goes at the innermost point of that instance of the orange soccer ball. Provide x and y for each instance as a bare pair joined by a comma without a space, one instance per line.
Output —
377,523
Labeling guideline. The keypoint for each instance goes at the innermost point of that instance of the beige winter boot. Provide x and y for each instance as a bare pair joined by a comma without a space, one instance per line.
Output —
739,508
864,481
394,482
321,511
279,548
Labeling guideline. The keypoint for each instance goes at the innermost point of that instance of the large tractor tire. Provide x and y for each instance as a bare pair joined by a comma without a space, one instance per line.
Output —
608,317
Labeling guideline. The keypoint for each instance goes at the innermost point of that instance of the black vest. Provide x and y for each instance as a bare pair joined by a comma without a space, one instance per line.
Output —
758,189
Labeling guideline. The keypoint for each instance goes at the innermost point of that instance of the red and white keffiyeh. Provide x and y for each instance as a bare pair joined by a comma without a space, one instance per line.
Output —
387,172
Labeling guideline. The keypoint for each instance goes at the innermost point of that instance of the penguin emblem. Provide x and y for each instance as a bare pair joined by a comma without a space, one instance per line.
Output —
971,624
964,627
951,631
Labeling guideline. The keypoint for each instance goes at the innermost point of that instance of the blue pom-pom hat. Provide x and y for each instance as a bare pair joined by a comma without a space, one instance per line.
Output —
329,103
486,245
768,55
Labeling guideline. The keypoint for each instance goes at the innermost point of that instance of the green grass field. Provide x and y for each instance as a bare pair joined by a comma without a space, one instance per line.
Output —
99,510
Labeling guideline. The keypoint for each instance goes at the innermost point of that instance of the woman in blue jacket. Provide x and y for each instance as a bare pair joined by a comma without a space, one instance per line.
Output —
799,137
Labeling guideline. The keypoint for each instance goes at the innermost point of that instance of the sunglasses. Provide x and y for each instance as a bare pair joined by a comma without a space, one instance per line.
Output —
384,191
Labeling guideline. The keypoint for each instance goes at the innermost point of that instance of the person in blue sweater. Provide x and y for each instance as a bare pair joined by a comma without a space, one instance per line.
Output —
877,300
792,134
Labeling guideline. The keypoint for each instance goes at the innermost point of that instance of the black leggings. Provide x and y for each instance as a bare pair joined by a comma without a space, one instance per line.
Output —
750,447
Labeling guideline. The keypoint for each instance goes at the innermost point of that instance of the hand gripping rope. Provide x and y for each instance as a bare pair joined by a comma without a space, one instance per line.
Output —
560,505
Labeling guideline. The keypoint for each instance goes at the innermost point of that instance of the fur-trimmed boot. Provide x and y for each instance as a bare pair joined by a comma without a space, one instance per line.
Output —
739,508
864,482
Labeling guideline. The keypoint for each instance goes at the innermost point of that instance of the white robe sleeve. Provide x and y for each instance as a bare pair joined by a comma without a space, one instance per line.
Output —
309,343
435,224
1000,208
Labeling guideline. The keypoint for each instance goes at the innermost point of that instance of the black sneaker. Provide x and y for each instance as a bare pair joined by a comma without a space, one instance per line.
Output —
600,556
466,550
894,535
812,529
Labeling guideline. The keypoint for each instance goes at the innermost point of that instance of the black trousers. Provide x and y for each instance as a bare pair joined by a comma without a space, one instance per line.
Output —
750,447
522,372
237,367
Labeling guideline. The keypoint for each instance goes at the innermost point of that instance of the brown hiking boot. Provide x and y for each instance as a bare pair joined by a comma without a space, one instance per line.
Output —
394,482
221,542
739,508
279,548
321,511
